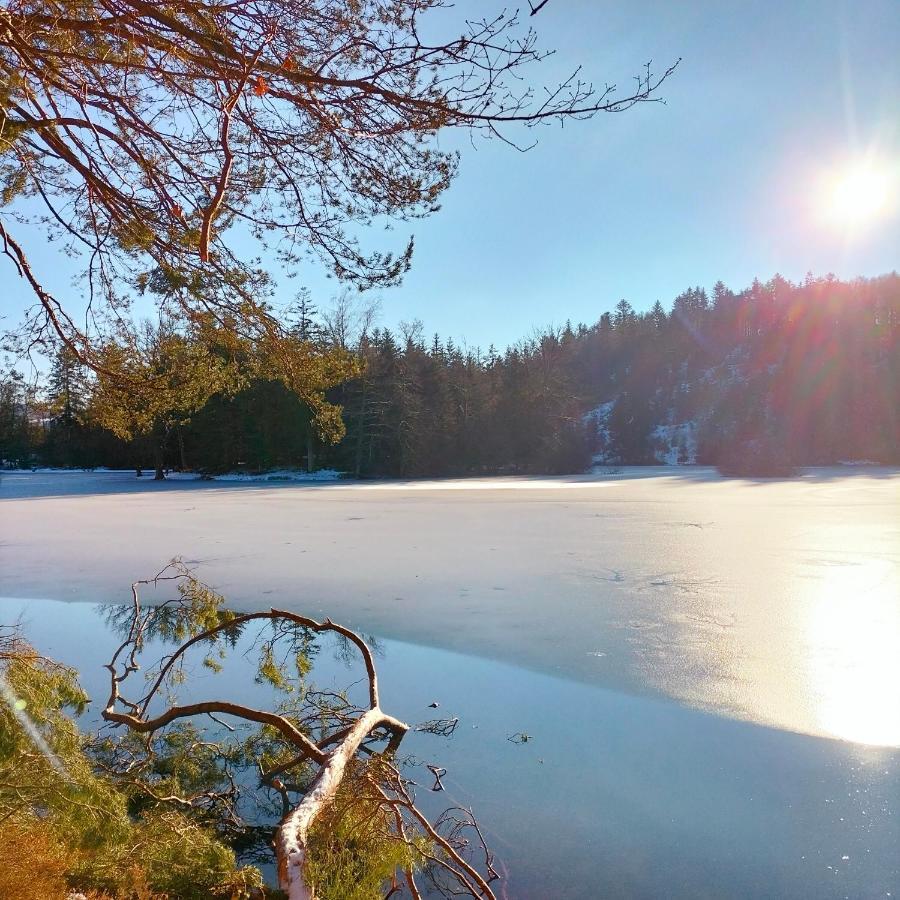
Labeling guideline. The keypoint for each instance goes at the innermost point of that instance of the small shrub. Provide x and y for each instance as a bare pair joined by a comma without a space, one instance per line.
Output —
33,863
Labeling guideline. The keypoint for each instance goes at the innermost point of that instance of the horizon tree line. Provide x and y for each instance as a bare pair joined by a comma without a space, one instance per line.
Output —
808,372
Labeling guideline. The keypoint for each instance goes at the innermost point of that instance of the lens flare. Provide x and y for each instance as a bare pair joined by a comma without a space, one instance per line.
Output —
18,706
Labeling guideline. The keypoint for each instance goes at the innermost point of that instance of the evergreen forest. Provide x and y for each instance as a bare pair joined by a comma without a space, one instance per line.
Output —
778,373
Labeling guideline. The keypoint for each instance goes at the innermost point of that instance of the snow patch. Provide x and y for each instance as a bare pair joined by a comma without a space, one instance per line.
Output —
278,475
281,475
598,418
675,444
51,470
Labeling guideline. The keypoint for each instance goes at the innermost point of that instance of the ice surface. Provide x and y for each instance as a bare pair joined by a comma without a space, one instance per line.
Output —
613,795
772,601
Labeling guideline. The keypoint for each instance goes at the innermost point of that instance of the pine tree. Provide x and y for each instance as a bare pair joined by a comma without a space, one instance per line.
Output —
625,315
657,316
303,319
68,388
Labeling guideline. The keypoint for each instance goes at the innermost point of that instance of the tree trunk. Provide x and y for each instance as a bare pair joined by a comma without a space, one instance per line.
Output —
310,450
158,459
181,453
361,427
293,832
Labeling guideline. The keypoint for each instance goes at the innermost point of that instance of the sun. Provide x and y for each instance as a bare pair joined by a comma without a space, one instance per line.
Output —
859,194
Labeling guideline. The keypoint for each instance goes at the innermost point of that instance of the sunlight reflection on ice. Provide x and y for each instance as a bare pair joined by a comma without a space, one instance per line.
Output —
853,631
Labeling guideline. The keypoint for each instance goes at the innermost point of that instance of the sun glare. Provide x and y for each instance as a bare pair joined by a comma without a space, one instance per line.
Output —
859,195
854,672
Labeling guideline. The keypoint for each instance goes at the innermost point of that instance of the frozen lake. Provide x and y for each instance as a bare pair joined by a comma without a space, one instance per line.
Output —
769,611
775,602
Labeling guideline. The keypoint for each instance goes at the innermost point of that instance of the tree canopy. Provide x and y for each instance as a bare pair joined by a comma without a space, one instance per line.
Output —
154,379
148,136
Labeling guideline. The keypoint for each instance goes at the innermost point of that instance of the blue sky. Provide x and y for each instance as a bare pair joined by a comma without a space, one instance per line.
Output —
724,181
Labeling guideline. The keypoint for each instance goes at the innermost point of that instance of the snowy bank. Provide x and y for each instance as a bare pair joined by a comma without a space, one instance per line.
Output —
277,475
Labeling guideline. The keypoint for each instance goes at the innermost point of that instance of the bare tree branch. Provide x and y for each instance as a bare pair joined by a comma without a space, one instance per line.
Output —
307,774
152,133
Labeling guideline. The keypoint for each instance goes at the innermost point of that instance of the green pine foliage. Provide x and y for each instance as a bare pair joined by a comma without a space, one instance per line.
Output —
352,850
66,826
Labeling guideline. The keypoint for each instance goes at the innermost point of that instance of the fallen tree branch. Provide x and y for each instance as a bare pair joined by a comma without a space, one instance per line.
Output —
305,774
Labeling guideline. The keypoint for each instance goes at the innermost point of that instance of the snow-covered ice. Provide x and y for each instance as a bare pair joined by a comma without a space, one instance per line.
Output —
773,601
